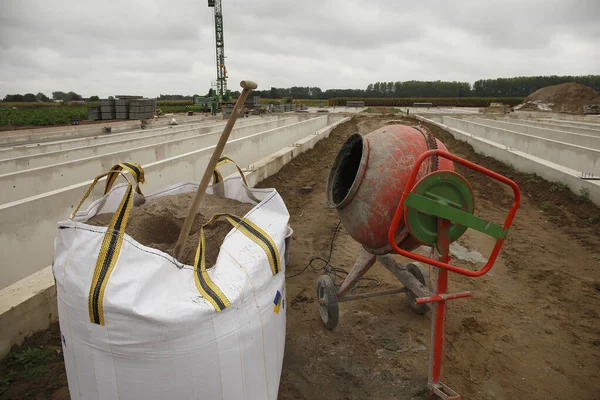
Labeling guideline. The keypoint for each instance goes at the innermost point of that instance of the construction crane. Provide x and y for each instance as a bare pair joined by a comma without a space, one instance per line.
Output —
223,94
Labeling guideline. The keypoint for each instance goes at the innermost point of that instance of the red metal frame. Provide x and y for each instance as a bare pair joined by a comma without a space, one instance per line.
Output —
441,264
441,283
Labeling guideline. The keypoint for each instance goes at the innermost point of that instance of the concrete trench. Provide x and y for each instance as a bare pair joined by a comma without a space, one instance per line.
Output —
563,150
48,194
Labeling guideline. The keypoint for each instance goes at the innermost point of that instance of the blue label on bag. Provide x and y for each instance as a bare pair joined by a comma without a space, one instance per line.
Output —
277,302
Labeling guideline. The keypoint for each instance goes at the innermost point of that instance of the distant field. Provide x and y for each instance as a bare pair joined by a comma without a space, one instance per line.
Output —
173,106
306,102
43,114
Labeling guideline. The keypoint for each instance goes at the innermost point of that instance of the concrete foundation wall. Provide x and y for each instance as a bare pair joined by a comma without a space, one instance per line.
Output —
48,134
580,124
578,158
525,163
554,133
558,116
31,182
40,135
126,142
64,144
587,129
27,245
29,305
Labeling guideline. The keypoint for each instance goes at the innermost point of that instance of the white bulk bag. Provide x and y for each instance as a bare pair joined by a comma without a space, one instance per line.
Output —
159,337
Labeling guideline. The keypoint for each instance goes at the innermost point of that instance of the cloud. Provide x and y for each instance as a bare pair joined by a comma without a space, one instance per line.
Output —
152,47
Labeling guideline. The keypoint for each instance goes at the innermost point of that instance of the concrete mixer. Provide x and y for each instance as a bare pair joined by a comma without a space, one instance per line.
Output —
395,189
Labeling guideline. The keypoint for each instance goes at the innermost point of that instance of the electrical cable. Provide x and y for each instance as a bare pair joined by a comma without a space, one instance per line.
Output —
336,272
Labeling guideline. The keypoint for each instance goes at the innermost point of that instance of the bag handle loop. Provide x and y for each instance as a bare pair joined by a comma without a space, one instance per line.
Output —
204,284
113,238
217,177
136,171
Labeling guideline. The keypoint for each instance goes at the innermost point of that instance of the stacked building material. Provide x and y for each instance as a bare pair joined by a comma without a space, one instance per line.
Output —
142,108
107,109
352,103
124,107
94,113
253,105
252,102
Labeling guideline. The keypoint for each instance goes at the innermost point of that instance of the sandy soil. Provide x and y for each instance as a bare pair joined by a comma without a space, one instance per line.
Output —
158,222
529,331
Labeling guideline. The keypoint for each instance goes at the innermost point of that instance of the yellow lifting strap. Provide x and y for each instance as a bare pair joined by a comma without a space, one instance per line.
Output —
207,288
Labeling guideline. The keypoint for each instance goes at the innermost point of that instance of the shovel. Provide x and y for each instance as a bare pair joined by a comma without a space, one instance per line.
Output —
247,86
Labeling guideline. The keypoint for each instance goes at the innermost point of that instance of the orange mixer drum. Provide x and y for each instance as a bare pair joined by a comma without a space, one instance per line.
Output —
367,179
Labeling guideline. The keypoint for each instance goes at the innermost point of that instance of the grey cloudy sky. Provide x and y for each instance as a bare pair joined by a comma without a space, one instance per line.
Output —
149,47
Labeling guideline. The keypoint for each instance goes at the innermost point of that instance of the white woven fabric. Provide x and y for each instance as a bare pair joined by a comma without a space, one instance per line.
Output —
161,339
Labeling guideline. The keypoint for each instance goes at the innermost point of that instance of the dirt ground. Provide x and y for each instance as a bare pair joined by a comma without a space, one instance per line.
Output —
531,329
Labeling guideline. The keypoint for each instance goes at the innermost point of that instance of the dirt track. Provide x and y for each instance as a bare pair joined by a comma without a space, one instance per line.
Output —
530,330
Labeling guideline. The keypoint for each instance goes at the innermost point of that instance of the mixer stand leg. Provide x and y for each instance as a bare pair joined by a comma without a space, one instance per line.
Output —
364,262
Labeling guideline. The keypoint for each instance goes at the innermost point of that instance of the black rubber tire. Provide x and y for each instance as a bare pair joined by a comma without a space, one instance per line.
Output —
327,302
410,296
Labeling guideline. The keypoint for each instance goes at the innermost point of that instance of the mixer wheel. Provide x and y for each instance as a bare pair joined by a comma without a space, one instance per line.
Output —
410,296
328,302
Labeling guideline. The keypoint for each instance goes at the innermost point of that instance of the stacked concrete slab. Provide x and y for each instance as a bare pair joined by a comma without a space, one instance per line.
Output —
352,103
142,108
94,113
125,107
108,109
122,108
253,104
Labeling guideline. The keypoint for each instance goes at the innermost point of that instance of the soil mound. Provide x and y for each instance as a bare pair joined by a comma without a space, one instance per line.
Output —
157,223
570,93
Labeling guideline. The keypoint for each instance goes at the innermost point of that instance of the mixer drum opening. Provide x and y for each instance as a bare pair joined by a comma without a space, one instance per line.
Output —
345,174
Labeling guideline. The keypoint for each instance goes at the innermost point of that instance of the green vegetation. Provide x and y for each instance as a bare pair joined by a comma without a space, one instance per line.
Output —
584,195
173,103
7,380
33,361
174,106
523,86
41,115
597,258
558,187
304,102
517,87
532,178
545,206
510,91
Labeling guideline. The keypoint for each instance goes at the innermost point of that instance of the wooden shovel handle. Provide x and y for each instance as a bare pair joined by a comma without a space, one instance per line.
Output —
189,219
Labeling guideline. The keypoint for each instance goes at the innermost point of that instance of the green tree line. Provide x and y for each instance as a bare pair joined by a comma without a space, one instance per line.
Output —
521,86
58,95
500,87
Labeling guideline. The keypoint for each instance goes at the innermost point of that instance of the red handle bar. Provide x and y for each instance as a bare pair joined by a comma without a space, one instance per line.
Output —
410,184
